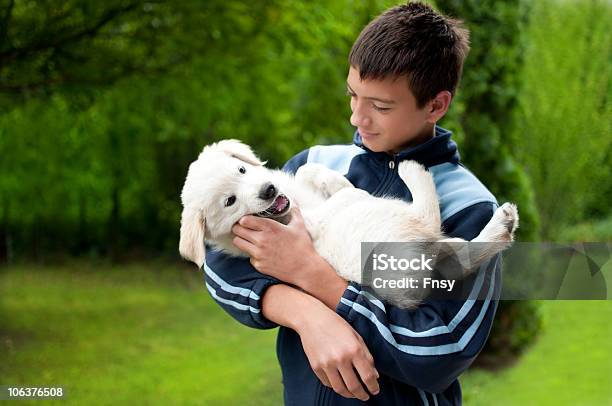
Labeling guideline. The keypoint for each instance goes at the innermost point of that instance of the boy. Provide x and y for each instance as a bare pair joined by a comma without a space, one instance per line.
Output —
337,344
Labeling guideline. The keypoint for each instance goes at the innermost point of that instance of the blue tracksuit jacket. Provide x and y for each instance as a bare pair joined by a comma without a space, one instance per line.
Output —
419,353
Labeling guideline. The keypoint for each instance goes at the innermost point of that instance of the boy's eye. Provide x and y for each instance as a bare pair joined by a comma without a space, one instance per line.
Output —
242,169
230,200
349,93
378,108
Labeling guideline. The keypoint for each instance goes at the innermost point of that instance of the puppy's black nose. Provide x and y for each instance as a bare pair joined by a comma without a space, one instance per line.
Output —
267,191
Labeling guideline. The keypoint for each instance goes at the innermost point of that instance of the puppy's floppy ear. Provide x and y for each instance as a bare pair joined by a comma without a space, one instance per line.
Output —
191,245
239,150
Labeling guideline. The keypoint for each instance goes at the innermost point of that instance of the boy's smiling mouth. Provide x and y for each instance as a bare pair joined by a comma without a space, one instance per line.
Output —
366,134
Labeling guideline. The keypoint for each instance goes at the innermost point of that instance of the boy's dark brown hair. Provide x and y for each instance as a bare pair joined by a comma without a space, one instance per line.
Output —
413,40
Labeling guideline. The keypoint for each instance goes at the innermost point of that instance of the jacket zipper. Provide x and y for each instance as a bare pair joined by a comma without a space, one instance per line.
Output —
388,179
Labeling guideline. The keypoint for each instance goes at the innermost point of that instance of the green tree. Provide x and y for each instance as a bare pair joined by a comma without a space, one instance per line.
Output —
47,45
140,87
487,101
486,121
565,112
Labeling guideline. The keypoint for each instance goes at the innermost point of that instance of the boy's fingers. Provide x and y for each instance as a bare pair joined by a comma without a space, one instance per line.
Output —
352,382
368,374
337,383
322,377
254,223
244,245
368,356
259,223
245,233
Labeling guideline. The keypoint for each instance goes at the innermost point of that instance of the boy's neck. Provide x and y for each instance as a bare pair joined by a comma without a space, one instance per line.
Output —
426,135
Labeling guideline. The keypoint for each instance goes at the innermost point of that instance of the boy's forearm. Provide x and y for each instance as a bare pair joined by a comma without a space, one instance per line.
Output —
323,282
288,306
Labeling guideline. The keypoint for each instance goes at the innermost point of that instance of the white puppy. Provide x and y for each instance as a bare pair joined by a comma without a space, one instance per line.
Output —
228,181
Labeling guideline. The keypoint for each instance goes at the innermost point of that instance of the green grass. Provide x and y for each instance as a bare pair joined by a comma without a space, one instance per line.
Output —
150,334
131,335
570,364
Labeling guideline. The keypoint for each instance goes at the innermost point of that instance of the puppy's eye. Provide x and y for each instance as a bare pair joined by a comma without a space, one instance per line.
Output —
242,169
230,200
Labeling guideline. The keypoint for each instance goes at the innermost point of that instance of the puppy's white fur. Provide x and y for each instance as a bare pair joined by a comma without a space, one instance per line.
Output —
337,215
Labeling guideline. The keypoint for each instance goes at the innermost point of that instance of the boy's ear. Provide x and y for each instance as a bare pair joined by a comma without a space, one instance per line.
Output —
239,150
438,106
191,244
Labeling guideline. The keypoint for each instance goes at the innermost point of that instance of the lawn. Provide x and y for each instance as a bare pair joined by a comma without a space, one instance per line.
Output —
150,334
137,334
570,364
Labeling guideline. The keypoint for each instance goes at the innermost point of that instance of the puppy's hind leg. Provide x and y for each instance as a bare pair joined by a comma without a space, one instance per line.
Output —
460,258
319,177
500,229
495,237
423,190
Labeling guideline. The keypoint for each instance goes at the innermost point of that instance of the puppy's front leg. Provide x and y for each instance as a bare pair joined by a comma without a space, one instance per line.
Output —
319,177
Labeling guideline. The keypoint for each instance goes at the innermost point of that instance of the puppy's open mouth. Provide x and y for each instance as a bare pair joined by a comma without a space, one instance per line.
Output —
279,207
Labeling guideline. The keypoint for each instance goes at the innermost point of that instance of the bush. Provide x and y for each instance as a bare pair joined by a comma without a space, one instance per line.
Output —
588,232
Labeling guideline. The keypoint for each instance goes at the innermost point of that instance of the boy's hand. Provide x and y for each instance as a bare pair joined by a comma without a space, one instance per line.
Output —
286,252
276,249
337,354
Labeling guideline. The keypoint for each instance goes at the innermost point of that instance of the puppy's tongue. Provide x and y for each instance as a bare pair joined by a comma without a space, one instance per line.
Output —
280,203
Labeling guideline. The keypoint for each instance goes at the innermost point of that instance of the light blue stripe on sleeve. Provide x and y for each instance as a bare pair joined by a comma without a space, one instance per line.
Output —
229,288
370,296
232,303
336,157
444,329
438,330
443,349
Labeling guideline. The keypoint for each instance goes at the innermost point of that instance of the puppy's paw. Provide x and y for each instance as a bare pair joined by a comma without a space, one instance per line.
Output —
319,177
507,217
310,174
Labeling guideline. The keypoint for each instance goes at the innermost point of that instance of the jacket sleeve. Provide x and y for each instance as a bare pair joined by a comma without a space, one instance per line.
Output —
430,346
233,282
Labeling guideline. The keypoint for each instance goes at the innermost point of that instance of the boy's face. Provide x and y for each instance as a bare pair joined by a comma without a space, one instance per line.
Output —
386,114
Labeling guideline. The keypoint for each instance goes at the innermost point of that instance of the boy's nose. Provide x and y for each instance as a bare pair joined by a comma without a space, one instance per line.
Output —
358,119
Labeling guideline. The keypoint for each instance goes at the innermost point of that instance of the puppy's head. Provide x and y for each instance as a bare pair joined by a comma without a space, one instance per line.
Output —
225,183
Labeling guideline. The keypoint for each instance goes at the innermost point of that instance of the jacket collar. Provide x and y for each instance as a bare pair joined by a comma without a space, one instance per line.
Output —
438,149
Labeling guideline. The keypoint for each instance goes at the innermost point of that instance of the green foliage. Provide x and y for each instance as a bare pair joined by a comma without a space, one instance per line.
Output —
109,156
485,123
588,231
105,104
46,44
565,111
486,102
